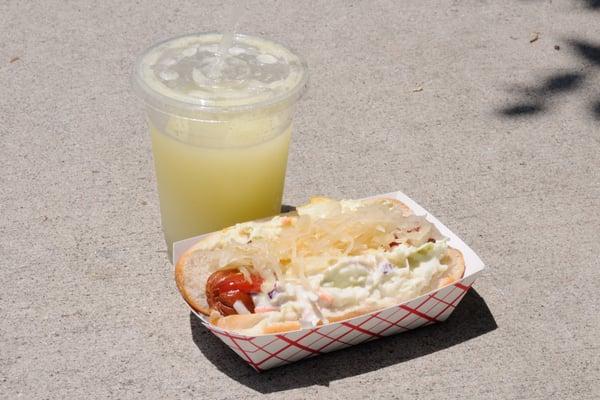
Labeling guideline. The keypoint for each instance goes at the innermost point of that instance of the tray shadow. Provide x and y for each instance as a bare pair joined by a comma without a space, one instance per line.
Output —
471,318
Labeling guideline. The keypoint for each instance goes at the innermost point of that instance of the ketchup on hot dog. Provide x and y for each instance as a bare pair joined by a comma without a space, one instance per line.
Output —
225,287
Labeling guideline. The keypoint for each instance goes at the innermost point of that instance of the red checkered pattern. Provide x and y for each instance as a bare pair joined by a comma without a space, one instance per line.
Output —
268,351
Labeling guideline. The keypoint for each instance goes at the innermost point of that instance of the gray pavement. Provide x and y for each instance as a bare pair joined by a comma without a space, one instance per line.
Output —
502,144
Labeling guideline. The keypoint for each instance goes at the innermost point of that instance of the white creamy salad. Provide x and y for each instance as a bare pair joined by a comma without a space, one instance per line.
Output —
373,281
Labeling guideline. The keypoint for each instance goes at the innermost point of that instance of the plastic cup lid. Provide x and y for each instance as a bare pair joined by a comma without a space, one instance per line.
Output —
213,72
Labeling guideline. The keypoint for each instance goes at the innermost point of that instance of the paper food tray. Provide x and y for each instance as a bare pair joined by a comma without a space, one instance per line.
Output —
268,351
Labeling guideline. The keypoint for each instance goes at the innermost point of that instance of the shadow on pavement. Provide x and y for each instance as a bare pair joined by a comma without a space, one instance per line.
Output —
471,318
540,98
596,110
591,4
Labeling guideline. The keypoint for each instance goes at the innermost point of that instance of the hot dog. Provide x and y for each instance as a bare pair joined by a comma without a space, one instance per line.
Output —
228,291
329,261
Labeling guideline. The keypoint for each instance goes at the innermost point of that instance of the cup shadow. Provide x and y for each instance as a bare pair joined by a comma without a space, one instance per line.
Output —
285,208
471,318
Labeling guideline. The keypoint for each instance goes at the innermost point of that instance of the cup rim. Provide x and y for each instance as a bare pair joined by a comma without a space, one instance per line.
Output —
159,101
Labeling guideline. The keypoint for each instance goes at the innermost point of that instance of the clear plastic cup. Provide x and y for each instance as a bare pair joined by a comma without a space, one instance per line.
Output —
220,118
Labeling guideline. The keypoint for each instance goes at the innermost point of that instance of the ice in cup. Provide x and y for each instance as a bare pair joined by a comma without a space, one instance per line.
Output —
220,114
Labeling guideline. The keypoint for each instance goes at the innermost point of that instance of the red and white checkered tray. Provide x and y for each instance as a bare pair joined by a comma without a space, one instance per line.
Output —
268,351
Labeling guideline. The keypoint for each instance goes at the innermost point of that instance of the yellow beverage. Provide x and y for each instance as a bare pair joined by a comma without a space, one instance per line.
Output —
220,116
203,189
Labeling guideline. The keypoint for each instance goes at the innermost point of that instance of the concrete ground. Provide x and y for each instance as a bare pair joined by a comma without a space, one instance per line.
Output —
453,102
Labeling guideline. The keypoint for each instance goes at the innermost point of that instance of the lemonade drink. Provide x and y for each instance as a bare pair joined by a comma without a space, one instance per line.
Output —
220,121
